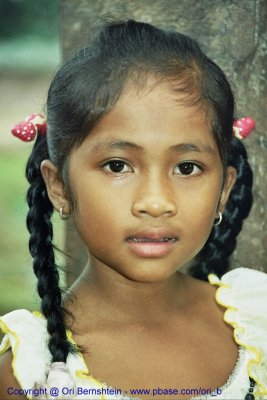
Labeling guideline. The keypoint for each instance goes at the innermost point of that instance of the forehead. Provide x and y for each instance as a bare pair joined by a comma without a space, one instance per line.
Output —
156,111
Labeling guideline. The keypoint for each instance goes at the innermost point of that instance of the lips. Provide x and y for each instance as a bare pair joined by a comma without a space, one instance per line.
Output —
152,242
147,239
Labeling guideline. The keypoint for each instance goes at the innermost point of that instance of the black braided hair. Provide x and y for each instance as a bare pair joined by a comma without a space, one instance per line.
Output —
214,257
83,91
41,249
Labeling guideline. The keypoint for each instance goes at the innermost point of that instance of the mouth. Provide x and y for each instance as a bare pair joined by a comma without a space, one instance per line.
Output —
152,240
151,244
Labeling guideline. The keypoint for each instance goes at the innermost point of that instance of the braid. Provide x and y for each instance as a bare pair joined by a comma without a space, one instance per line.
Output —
214,257
41,249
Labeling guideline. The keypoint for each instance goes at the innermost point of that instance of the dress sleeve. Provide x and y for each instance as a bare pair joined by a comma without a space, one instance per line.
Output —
26,335
243,292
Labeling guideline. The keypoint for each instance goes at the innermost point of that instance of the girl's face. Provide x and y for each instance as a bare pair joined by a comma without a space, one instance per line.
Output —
148,185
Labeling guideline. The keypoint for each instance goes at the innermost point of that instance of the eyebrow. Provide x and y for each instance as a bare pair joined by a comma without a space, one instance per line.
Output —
120,144
199,148
179,148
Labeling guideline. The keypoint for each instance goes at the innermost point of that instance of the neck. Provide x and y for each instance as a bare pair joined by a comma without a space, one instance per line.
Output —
105,294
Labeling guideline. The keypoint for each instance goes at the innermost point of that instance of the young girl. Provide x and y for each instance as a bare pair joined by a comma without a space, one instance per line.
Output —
140,149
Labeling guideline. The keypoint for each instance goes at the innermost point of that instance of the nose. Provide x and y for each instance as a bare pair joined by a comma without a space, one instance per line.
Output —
155,198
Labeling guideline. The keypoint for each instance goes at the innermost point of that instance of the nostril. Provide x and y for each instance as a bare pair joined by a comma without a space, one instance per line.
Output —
156,207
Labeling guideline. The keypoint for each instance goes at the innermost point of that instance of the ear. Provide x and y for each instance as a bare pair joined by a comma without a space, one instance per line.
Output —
229,182
54,186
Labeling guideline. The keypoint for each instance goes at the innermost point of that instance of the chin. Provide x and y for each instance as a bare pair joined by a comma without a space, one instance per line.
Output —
151,275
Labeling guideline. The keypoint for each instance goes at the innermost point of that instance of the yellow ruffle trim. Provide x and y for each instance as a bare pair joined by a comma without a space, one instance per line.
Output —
214,280
5,329
79,373
83,373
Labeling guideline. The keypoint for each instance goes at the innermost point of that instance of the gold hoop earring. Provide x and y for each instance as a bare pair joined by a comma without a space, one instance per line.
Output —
219,219
62,215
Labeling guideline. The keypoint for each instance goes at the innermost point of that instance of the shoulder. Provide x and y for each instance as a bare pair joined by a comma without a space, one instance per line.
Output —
23,350
243,294
22,329
239,275
7,379
244,287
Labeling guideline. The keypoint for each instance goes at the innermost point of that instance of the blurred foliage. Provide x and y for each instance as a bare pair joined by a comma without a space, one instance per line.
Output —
29,53
28,17
29,35
17,280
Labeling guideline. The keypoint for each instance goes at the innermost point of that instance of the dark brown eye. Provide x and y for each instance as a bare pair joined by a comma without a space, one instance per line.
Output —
117,166
187,168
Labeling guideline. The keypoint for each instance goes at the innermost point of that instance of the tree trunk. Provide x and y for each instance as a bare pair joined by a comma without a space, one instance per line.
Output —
234,34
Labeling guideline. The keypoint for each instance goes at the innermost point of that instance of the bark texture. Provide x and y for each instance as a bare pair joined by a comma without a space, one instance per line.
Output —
234,34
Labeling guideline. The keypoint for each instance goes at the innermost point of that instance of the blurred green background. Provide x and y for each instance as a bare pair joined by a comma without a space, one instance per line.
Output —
29,56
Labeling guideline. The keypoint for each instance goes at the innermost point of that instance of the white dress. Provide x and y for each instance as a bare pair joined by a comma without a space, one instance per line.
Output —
243,292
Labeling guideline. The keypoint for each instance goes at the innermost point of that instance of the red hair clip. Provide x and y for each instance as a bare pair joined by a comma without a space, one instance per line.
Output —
243,127
34,124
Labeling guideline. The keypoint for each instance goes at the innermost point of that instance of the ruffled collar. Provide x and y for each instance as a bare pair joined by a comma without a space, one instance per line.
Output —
243,293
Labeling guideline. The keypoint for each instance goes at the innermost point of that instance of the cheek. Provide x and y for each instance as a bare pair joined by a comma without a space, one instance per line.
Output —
200,213
99,216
